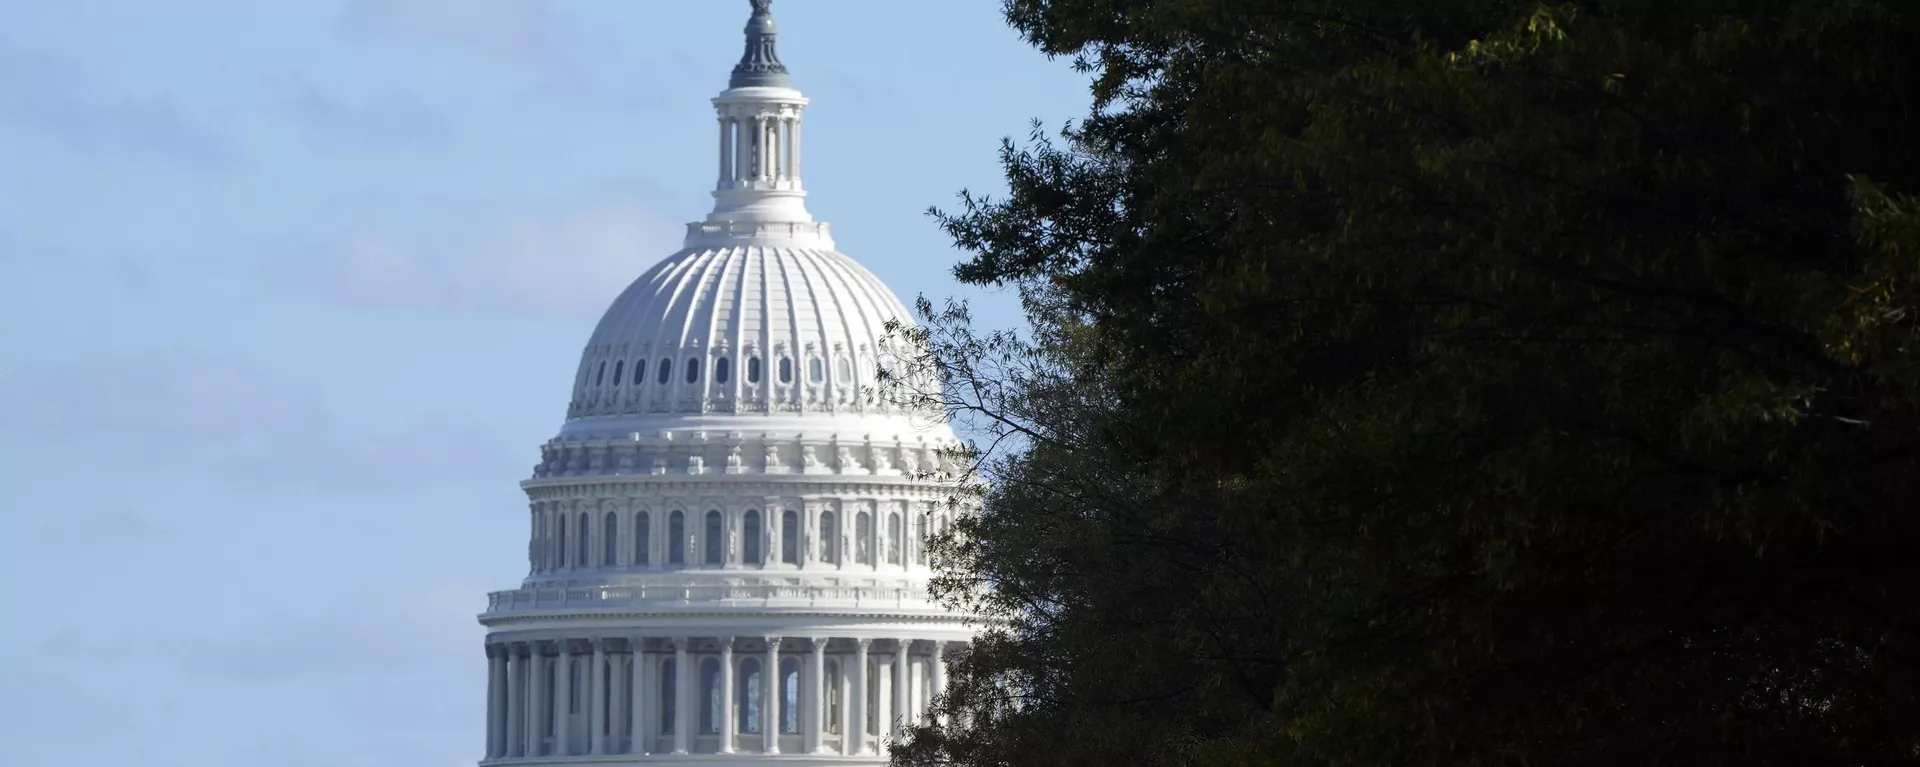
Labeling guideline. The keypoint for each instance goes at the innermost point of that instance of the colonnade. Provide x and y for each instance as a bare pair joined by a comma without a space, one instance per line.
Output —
713,694
760,148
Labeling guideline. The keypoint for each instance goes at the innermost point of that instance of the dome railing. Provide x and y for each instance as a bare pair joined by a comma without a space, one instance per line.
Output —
735,596
789,230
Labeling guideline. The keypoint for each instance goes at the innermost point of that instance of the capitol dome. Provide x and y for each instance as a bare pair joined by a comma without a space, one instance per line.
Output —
738,328
726,553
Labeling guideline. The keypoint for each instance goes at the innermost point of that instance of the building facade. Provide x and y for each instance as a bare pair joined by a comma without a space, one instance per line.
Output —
727,537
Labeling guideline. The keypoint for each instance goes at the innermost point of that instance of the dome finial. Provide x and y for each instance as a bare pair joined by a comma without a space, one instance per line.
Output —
760,66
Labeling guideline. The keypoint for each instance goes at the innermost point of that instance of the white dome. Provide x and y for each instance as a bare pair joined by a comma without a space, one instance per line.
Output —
755,330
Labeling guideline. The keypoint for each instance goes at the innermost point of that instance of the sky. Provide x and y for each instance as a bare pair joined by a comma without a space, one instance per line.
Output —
291,292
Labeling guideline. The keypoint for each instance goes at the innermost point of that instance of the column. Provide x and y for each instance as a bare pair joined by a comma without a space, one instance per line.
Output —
637,695
855,742
616,701
770,698
939,679
737,146
816,694
516,702
763,169
901,660
726,154
883,698
792,154
597,708
563,700
682,692
537,704
726,695
496,698
846,706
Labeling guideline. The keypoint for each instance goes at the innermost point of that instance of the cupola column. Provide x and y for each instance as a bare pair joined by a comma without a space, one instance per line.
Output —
726,150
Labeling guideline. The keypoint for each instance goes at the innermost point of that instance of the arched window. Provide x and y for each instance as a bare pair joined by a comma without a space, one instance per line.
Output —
669,694
710,682
600,375
639,371
642,539
843,369
750,538
619,366
580,541
863,539
722,370
716,539
829,538
677,539
816,370
786,370
790,695
562,547
666,372
832,697
894,538
753,370
790,537
610,540
921,524
693,370
746,696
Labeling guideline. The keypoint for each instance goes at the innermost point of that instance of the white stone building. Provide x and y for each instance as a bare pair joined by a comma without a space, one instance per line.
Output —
727,535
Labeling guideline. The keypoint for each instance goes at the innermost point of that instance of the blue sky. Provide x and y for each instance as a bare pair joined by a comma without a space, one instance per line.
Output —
291,291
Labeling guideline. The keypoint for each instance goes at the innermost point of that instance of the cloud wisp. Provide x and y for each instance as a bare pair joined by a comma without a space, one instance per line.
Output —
54,98
388,120
564,258
245,425
522,31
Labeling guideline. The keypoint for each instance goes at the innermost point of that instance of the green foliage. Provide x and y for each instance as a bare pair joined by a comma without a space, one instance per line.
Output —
1449,382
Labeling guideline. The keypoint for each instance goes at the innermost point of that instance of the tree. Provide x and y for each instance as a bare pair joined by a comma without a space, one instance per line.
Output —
1448,382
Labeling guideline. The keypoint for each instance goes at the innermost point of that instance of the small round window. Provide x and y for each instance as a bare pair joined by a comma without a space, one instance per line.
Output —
639,371
843,369
786,370
722,370
693,369
666,372
618,368
816,370
753,370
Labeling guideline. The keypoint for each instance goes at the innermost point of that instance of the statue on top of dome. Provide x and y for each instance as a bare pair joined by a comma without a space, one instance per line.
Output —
761,6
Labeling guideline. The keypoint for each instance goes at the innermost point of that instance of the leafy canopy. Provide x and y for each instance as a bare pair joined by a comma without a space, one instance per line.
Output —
1460,382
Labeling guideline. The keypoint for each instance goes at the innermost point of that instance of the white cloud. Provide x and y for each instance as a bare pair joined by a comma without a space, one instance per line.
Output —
520,30
565,258
386,120
244,424
55,98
